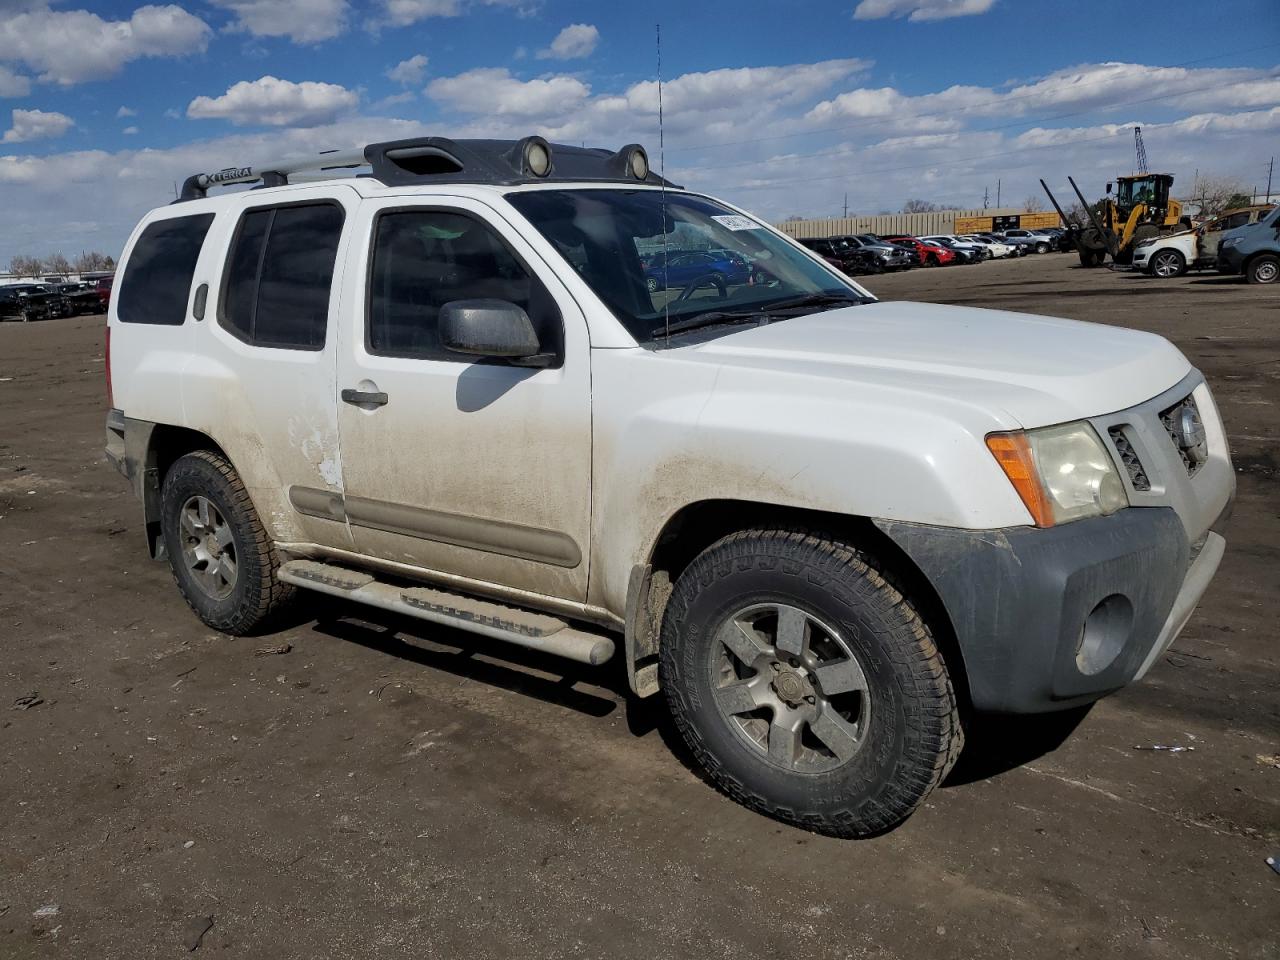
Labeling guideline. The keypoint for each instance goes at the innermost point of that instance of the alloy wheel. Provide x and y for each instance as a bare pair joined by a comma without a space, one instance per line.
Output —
1166,265
208,547
791,687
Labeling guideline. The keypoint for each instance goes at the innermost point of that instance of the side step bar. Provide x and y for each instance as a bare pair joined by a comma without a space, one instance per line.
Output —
533,630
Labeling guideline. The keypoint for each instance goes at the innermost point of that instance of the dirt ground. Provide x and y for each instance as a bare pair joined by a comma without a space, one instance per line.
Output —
391,789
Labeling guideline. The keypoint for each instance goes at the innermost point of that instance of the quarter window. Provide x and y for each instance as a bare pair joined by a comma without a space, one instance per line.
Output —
423,259
157,278
279,275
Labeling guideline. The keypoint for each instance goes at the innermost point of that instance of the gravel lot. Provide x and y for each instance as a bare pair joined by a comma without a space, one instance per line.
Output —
388,789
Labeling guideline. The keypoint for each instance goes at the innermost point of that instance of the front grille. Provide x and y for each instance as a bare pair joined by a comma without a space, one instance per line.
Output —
1137,475
1186,432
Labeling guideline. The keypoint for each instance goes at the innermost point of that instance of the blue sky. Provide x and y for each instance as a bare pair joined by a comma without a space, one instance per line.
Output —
782,108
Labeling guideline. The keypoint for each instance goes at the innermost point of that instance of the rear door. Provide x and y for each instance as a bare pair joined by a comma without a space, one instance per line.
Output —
261,379
473,468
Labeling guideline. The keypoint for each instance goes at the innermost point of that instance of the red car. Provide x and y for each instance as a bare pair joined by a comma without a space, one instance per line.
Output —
103,288
930,256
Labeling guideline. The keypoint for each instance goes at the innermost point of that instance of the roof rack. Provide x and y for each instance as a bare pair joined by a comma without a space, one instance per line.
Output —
439,159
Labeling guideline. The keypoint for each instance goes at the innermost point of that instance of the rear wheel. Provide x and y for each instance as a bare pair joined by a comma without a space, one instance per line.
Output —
220,553
806,684
1263,269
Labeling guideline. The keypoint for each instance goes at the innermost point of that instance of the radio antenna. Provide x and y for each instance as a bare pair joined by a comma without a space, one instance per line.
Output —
662,203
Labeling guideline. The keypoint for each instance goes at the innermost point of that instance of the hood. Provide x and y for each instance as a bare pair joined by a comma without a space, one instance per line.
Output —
1034,370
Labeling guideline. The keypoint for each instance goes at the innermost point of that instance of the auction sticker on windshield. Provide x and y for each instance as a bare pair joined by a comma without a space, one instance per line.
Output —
735,222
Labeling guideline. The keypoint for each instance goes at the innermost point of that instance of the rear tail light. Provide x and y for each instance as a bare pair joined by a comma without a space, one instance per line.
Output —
107,363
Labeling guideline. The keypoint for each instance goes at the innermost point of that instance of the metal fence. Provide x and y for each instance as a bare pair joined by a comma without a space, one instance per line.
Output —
914,224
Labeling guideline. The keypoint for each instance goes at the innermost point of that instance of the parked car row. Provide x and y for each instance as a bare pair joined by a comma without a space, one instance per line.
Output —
49,301
865,253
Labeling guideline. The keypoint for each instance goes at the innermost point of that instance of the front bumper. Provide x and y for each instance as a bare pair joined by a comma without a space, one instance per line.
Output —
1054,618
1141,256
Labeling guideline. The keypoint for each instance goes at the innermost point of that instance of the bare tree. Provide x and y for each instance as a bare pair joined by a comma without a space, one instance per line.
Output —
1212,193
920,206
794,218
1033,204
93,261
57,263
24,266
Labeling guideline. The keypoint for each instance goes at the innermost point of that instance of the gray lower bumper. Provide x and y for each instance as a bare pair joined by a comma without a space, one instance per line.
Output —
1049,619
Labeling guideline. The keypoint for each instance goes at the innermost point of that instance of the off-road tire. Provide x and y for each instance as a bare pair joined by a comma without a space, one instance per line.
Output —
257,596
1263,269
914,736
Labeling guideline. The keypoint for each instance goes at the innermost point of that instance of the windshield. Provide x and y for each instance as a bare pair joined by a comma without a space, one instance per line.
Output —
700,260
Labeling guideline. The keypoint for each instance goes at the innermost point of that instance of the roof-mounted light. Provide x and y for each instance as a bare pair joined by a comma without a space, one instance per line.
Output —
631,161
532,156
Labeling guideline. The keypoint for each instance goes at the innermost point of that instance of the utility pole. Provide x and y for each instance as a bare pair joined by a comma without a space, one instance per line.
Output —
986,197
997,193
846,204
1270,169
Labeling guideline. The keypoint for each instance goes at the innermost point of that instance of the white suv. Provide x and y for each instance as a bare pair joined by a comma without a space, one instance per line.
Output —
826,528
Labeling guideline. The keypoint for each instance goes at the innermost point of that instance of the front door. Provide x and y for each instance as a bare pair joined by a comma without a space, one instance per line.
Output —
477,469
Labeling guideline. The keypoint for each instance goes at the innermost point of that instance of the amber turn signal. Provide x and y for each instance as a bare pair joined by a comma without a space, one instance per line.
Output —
1013,452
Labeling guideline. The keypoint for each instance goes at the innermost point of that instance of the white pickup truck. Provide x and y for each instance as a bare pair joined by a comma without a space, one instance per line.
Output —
828,529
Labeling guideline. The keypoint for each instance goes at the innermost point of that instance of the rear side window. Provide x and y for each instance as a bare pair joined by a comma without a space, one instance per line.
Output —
279,274
157,278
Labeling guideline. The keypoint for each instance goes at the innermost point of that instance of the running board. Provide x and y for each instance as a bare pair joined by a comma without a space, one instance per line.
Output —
536,631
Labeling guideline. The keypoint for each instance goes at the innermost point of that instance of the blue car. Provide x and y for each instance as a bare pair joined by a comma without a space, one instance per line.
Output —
715,268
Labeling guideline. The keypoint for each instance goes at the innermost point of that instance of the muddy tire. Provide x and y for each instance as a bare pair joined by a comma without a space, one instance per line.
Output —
1263,269
806,684
221,556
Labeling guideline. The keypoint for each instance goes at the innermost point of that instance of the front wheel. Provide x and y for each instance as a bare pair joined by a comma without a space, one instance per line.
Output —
1263,269
221,555
1042,248
806,685
1168,264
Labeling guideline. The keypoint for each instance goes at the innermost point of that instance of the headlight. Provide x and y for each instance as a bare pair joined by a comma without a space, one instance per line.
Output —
1062,473
1232,242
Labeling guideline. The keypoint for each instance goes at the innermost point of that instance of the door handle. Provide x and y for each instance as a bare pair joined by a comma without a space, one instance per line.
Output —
364,398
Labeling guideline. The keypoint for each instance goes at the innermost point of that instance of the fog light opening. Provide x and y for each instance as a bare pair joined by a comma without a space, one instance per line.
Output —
1104,634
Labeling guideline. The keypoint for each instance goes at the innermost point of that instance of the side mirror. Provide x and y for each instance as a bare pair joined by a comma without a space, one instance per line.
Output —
491,328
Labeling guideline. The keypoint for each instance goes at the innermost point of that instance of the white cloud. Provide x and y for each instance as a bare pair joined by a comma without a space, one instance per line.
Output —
401,13
920,9
573,42
269,101
68,47
126,112
129,131
302,21
13,84
496,91
37,125
173,114
409,72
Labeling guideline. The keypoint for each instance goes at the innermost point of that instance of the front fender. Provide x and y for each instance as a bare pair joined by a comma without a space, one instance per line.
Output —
723,433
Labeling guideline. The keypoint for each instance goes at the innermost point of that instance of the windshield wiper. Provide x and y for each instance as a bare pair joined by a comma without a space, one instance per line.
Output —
766,314
819,300
711,319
